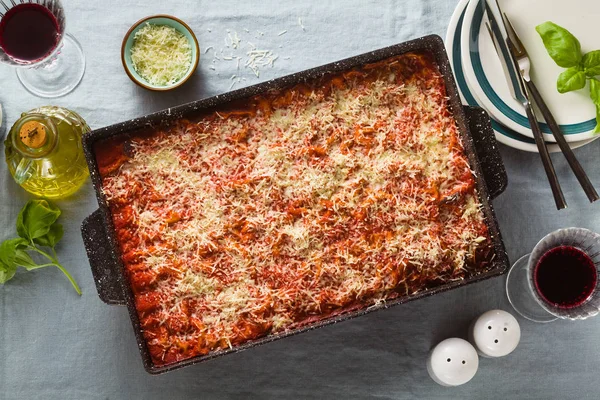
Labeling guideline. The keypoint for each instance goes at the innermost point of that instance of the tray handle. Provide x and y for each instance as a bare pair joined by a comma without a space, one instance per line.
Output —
103,261
486,147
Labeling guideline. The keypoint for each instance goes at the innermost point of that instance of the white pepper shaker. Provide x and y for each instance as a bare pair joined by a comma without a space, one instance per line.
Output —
453,362
495,333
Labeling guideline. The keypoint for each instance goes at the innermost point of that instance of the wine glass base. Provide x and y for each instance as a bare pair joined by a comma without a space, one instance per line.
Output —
59,76
520,296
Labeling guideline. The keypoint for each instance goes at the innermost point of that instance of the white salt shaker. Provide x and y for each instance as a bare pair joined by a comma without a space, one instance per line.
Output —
453,362
495,333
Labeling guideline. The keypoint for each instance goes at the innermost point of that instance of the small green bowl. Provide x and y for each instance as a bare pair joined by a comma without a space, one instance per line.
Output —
158,20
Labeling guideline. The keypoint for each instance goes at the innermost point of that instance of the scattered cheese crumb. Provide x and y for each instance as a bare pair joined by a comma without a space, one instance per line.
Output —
259,58
235,40
234,82
253,59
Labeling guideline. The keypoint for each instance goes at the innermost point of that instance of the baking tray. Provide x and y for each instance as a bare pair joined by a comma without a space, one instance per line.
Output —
474,128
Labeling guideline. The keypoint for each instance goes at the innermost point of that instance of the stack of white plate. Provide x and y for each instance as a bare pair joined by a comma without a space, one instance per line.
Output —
481,80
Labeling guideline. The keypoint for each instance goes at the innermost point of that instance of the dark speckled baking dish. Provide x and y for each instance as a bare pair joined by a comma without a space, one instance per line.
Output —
475,131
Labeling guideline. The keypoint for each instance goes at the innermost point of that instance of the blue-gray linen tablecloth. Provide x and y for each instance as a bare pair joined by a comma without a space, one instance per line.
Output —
56,345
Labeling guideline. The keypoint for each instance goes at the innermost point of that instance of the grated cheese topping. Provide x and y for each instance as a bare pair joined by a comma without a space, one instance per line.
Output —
161,54
322,198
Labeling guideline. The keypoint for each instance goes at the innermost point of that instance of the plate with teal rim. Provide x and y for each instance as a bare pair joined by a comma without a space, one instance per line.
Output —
574,111
503,134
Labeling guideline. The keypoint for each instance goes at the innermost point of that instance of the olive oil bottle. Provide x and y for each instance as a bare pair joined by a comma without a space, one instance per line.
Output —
44,152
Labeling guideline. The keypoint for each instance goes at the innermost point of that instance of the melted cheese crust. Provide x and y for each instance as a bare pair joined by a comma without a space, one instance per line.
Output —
325,197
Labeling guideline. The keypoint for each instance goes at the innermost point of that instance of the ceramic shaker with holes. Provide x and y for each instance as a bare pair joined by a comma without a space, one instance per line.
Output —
495,333
453,362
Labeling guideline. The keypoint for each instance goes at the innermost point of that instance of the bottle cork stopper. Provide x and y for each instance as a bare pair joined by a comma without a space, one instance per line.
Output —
33,134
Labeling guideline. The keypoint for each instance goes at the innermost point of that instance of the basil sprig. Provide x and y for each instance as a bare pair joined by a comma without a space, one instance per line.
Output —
565,50
571,79
37,228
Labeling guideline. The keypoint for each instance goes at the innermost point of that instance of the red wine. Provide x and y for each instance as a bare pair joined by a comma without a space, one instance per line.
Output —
565,276
28,32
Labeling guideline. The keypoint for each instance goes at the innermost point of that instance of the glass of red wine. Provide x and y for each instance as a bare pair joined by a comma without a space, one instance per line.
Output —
559,279
50,62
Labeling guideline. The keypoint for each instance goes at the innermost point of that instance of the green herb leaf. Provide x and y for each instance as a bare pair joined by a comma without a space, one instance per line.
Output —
12,251
595,90
52,237
571,79
17,243
22,259
591,63
12,254
36,218
36,226
7,260
562,46
8,249
595,95
7,271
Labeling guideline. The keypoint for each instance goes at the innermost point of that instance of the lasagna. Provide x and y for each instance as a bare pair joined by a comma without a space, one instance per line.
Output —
294,206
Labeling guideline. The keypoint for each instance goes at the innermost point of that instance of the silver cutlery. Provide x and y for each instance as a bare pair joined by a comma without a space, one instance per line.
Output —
516,64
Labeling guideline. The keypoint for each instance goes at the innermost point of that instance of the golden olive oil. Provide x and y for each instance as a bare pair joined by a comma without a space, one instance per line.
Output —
44,152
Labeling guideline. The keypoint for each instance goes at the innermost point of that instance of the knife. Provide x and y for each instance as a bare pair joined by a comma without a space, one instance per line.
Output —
498,35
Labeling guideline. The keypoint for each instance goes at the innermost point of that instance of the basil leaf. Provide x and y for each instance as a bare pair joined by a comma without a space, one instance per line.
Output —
17,243
7,271
595,95
11,256
22,259
591,63
9,247
571,79
52,237
562,46
595,91
36,218
36,226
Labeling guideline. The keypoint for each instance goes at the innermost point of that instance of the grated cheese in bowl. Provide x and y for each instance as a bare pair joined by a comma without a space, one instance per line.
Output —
161,54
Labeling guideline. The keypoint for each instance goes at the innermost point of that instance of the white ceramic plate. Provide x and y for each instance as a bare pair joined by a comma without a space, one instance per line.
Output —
503,134
573,111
